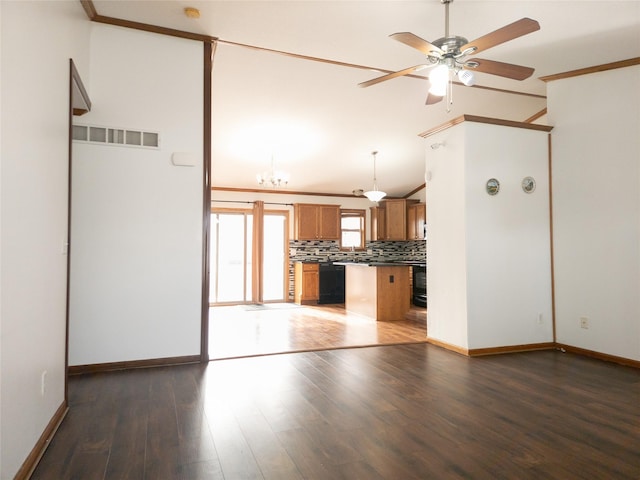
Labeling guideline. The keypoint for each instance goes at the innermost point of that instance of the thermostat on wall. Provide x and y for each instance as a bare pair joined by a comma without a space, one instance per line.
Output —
183,159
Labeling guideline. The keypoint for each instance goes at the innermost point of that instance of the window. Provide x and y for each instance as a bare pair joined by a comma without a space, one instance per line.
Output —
352,229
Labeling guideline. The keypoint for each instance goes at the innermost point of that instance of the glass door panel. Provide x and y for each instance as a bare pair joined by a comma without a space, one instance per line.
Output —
274,262
230,257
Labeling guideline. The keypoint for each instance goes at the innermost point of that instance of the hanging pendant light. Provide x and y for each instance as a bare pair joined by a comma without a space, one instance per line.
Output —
375,195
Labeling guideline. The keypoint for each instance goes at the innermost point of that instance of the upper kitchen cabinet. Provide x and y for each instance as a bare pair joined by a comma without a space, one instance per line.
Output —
378,224
389,220
396,219
316,222
416,216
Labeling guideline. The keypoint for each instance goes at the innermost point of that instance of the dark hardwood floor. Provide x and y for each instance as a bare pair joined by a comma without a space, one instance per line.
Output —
242,331
393,412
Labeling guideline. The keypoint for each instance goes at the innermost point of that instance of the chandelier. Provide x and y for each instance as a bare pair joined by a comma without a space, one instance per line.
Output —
273,178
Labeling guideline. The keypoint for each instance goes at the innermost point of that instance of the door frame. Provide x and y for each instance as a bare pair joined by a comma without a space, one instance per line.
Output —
285,267
79,104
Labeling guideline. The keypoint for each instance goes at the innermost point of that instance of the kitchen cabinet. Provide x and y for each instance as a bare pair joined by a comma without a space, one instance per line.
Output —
416,215
389,219
396,219
316,221
377,223
379,292
306,283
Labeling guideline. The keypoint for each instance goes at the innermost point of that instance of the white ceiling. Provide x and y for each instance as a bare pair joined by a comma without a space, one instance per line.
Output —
320,126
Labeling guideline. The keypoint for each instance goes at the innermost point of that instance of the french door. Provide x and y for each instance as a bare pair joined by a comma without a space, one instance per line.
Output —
232,253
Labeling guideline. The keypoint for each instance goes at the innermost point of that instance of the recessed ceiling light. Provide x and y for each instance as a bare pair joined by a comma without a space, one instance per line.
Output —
192,12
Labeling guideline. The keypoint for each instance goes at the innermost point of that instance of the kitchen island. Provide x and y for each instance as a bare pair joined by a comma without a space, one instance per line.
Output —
377,290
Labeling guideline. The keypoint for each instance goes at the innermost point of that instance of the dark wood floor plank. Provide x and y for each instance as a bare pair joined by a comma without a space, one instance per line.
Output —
408,411
209,470
235,455
306,453
271,456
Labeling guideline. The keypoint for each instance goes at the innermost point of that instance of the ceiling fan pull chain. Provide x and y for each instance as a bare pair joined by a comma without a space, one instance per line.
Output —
449,93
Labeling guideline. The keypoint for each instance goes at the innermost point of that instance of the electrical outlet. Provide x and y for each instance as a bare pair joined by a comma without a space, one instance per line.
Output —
317,251
540,319
584,322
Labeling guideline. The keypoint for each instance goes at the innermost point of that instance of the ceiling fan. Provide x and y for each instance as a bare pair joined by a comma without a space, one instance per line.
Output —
449,57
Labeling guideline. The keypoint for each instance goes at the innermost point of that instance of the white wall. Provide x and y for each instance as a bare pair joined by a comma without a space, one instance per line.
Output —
488,257
446,239
508,237
38,38
136,219
596,210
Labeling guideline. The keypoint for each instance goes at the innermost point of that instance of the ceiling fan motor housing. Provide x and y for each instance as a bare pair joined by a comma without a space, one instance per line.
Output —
450,45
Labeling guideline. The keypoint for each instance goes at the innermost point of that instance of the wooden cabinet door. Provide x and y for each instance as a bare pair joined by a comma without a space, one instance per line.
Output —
306,283
411,222
378,224
306,222
421,215
415,221
396,219
310,285
329,222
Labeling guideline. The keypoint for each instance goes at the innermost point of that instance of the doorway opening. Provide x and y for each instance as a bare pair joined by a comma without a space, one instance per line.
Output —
232,254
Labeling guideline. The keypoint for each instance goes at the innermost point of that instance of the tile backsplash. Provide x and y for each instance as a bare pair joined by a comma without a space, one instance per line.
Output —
329,250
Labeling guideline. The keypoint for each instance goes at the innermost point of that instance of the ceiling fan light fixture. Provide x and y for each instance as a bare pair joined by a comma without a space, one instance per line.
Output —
439,75
467,77
438,90
439,78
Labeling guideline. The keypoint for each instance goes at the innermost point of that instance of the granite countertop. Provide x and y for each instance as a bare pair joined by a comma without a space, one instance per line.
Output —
368,263
373,263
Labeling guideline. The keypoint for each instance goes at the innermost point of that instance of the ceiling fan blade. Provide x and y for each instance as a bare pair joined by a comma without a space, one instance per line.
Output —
431,99
416,42
504,34
389,76
508,70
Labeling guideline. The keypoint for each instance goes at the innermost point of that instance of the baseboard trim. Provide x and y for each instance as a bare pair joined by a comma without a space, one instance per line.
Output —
600,356
31,462
128,365
478,352
448,346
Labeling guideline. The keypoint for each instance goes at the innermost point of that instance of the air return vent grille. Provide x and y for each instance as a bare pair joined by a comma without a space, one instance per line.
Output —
115,136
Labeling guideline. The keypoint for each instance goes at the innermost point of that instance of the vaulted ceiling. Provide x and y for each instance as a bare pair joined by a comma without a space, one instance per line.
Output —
309,112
